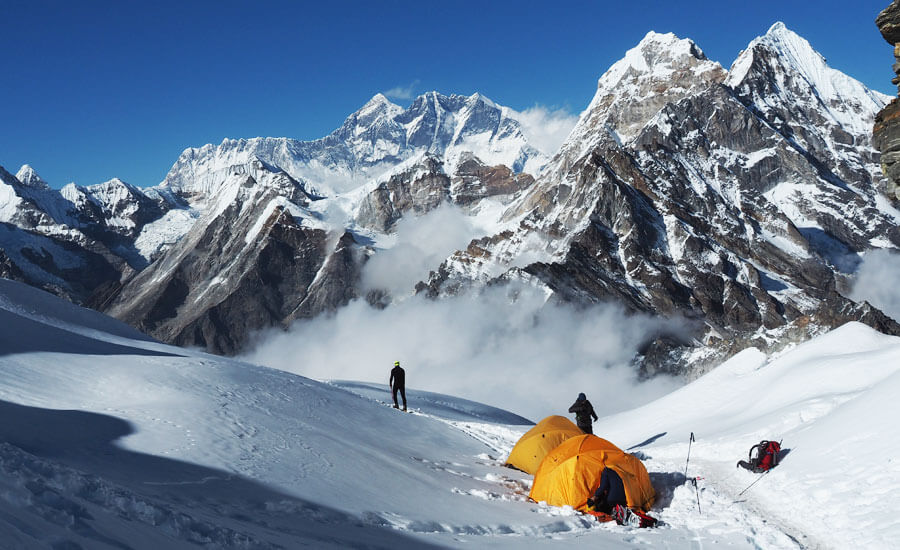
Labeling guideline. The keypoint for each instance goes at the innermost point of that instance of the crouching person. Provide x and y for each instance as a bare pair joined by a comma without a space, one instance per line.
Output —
610,492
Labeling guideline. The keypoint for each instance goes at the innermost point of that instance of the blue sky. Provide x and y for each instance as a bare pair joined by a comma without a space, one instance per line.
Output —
93,90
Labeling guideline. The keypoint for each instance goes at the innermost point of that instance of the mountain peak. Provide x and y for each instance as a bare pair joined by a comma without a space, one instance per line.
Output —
790,44
656,55
483,99
669,42
378,105
29,177
114,182
777,28
783,63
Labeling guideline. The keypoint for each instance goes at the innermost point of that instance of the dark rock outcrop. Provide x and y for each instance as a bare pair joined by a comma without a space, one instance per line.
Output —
886,131
252,262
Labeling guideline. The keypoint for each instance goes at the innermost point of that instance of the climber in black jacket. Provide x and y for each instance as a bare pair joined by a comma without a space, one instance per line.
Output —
583,412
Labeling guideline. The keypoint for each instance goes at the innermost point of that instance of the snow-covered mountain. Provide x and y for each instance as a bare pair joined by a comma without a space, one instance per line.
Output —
261,251
369,145
43,241
742,200
113,440
234,223
739,199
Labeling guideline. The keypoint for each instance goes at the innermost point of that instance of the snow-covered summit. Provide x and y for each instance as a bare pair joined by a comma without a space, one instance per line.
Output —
679,184
29,177
660,69
656,55
791,63
369,144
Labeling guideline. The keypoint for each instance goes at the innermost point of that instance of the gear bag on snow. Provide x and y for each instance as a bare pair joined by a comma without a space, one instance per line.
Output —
763,457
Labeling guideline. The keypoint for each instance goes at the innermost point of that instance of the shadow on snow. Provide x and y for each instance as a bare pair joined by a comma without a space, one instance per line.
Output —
76,465
32,336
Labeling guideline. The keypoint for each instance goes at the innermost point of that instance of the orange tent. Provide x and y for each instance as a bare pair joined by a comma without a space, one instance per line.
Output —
534,445
570,473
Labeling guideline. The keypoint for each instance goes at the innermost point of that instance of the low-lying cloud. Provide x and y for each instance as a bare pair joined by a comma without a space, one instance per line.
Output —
877,280
524,354
546,129
421,244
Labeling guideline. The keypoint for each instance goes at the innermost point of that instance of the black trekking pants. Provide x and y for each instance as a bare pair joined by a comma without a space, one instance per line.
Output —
402,390
588,429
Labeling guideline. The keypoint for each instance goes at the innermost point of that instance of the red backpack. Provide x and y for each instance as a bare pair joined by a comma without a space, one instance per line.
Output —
763,456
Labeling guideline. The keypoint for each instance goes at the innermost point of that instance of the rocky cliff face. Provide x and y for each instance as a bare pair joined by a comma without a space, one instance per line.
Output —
886,130
742,202
251,261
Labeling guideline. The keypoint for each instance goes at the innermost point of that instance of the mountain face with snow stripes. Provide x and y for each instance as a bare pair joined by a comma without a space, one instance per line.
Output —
743,202
740,199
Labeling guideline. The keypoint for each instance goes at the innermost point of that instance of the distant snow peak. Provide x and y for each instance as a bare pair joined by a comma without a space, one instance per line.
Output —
378,98
654,41
483,99
378,104
29,177
114,183
793,46
777,27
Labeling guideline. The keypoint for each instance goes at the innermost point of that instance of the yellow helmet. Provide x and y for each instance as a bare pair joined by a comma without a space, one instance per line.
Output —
396,363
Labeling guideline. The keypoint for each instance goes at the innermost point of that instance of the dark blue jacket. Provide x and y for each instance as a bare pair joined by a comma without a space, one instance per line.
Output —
583,412
611,489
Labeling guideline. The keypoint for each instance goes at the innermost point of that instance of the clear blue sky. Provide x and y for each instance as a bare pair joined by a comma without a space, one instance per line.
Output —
93,90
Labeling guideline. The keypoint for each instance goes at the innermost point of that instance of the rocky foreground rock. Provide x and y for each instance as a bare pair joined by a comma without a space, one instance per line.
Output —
886,131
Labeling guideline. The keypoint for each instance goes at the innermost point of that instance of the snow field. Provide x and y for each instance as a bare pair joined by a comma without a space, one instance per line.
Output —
113,440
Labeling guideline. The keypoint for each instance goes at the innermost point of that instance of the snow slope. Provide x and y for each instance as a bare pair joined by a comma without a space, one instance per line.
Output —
112,440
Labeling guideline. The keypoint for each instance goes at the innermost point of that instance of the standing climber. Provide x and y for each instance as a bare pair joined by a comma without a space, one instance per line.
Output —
583,412
398,383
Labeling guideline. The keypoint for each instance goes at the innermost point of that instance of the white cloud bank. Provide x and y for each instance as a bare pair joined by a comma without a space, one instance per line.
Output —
421,244
526,356
878,281
546,129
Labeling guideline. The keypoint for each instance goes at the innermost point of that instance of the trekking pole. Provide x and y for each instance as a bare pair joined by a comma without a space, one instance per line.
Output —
689,456
754,483
694,480
699,511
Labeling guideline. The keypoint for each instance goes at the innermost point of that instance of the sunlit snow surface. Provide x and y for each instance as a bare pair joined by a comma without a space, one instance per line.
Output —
111,440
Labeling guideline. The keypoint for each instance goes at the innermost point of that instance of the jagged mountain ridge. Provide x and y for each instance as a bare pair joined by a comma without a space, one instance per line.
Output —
739,198
131,228
369,145
742,202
